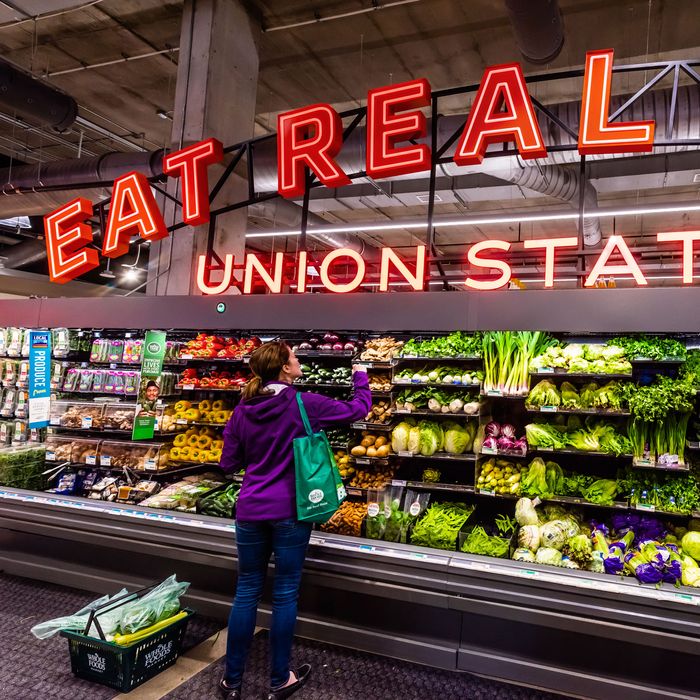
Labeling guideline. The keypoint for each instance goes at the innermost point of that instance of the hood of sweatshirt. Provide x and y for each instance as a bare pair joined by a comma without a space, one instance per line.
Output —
268,408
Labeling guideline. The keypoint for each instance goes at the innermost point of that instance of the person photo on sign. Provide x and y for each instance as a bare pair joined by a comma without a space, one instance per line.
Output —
149,399
260,438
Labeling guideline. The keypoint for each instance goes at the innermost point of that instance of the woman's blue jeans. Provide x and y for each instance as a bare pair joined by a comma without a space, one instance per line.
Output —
288,540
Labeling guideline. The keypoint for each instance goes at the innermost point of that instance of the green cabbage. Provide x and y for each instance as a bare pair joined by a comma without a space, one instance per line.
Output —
399,437
525,512
457,438
430,438
548,555
414,439
691,544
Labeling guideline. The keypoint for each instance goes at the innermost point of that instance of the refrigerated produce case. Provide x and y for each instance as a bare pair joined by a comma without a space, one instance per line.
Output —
589,634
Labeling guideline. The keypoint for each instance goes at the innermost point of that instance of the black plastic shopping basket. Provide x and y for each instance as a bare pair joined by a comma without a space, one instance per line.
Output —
124,667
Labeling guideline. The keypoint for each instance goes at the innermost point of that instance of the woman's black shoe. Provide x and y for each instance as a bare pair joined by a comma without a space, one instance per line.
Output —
302,673
229,692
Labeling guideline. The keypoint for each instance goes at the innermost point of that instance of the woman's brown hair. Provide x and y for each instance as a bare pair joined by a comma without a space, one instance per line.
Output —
266,364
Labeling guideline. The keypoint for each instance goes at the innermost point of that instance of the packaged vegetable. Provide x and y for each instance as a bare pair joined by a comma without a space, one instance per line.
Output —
548,555
376,517
554,534
525,512
523,554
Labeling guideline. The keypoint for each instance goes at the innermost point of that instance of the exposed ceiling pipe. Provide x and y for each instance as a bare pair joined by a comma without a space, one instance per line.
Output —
538,28
34,101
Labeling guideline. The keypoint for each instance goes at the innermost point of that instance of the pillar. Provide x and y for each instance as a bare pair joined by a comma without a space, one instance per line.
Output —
215,97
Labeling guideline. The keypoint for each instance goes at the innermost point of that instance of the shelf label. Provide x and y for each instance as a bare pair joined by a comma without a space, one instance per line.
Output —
494,392
186,356
150,465
188,387
488,451
486,492
91,460
181,421
646,507
55,420
545,370
362,460
404,453
398,482
86,422
50,456
643,462
106,460
548,409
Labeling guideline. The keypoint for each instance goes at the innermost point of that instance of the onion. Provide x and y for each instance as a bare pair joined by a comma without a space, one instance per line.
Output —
350,347
490,443
305,346
505,443
330,338
507,430
314,341
337,347
493,429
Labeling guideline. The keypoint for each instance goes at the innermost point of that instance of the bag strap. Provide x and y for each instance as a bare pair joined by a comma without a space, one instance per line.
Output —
304,416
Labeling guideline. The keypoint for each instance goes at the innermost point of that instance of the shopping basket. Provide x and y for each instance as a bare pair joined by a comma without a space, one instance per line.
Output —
124,667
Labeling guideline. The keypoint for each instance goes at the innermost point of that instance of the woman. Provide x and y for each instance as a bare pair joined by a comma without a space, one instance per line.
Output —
259,439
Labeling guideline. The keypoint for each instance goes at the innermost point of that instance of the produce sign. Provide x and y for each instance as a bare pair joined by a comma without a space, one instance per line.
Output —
150,387
39,375
309,139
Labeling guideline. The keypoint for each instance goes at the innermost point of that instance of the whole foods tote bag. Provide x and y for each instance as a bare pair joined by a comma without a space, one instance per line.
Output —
320,490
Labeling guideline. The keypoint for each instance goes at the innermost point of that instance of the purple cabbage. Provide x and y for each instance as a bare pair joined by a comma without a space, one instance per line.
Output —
490,443
492,430
505,443
507,430
520,445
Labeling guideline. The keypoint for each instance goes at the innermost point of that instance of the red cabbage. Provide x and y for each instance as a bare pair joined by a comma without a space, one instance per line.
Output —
521,446
507,430
492,430
490,443
505,443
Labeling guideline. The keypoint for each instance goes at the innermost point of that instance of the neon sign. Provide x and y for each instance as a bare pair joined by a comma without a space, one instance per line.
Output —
309,139
490,270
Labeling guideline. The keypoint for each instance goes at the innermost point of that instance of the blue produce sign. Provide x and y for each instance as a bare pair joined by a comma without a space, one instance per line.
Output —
39,378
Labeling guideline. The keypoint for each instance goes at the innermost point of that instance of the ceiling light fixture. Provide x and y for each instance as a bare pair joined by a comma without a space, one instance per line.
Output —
163,114
485,220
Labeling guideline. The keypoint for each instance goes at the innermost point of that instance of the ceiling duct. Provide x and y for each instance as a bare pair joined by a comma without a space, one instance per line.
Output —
538,28
33,101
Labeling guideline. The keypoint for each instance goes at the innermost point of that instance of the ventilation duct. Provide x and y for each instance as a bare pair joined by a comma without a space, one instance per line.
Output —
538,28
33,101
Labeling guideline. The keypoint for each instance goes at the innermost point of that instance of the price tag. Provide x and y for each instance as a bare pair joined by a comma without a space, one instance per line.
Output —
646,507
494,392
486,492
50,456
246,360
91,460
402,380
545,370
643,463
150,465
545,449
181,421
55,420
548,409
403,410
488,451
188,387
106,460
186,356
404,453
410,357
86,422
398,482
362,461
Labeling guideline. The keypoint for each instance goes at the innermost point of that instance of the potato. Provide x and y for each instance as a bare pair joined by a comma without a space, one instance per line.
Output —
359,451
382,451
371,452
367,441
381,440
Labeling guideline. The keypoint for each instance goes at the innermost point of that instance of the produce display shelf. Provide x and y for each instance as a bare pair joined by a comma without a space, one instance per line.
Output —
185,423
223,360
442,456
181,464
376,364
568,500
194,387
649,508
650,361
506,455
580,453
361,425
381,394
498,395
371,461
436,385
340,446
576,411
436,414
445,358
319,385
127,365
433,486
641,464
580,375
90,431
311,353
175,471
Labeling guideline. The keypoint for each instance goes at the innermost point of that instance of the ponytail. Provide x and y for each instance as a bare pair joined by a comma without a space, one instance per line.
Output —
266,363
252,388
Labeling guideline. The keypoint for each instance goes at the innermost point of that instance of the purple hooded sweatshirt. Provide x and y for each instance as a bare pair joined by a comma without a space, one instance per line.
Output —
258,438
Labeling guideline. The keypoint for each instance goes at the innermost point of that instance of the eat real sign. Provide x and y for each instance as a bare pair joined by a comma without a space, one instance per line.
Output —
312,137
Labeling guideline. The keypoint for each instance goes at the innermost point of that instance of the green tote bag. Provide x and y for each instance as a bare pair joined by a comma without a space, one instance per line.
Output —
320,490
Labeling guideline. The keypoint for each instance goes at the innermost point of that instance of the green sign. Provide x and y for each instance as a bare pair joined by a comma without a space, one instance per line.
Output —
149,388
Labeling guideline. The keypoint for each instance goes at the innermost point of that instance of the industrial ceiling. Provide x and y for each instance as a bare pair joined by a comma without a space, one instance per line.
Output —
118,59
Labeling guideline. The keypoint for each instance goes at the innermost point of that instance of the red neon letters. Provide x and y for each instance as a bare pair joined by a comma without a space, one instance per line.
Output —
476,261
502,112
688,238
133,211
550,245
191,165
596,134
389,257
385,128
309,137
602,268
66,237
